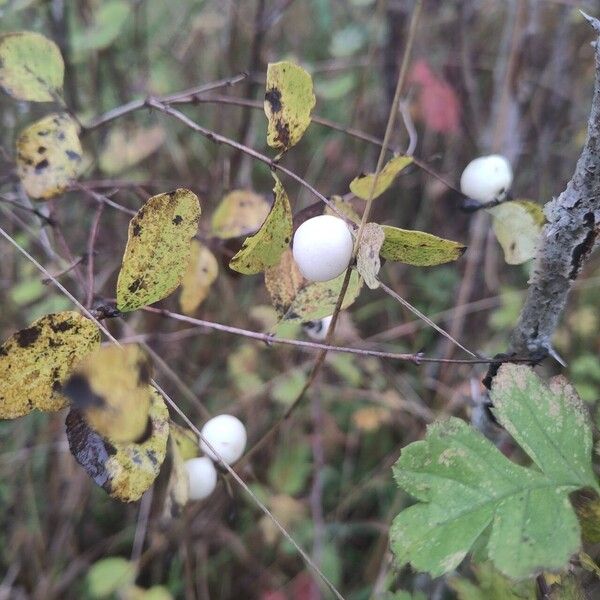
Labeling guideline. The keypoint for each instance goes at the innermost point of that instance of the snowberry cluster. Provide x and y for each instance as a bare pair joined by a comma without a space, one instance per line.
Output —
225,434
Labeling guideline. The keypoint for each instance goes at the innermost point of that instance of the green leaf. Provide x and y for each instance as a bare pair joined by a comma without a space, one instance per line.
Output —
418,248
108,21
201,273
35,361
124,471
491,585
158,249
49,155
289,100
265,247
108,576
289,473
465,485
368,262
361,185
31,67
318,299
517,226
241,212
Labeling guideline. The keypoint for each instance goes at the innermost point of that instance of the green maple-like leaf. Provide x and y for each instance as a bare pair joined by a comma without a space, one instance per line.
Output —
465,485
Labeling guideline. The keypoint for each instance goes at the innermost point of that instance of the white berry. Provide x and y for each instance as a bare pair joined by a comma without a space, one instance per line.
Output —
323,248
487,178
202,477
227,435
317,330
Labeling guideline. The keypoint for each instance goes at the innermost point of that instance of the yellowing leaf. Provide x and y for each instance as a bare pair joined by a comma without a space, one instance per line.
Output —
35,361
178,486
241,212
371,418
265,247
418,248
318,299
368,262
345,208
49,155
361,185
289,100
109,575
201,273
186,441
158,249
31,67
283,281
125,471
517,226
110,387
126,147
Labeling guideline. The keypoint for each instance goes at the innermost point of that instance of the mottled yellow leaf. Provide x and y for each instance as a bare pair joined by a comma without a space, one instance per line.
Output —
178,486
201,273
265,247
283,282
368,262
35,361
186,441
110,387
49,156
125,147
418,248
125,471
318,299
158,249
361,185
289,100
31,67
517,226
241,212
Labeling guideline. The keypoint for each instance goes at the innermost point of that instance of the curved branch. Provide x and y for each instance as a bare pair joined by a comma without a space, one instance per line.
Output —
566,241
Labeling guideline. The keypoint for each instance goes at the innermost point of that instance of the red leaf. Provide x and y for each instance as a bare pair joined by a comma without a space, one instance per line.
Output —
437,102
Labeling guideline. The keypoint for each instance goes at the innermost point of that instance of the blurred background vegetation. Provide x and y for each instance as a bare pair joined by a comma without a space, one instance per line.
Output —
486,76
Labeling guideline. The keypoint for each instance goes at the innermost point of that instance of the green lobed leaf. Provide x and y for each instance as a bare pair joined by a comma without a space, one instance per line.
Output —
49,155
465,485
517,226
35,361
265,247
418,248
361,185
31,66
289,100
158,249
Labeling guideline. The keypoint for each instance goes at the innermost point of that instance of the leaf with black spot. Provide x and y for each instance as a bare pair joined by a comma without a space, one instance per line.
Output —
110,387
158,249
35,361
49,156
124,470
289,100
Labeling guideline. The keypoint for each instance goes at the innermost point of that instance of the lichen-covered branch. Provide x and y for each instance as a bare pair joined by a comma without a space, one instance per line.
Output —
567,240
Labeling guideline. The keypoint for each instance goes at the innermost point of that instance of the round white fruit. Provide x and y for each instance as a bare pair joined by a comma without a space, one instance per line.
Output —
227,435
323,247
487,178
317,330
202,477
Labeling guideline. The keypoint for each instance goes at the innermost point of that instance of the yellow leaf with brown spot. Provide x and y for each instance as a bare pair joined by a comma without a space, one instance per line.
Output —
201,273
283,281
241,212
289,100
265,247
35,361
158,249
110,387
362,185
31,66
125,471
368,262
49,156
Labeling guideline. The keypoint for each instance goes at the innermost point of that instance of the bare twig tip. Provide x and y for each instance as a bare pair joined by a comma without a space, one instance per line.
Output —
593,21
